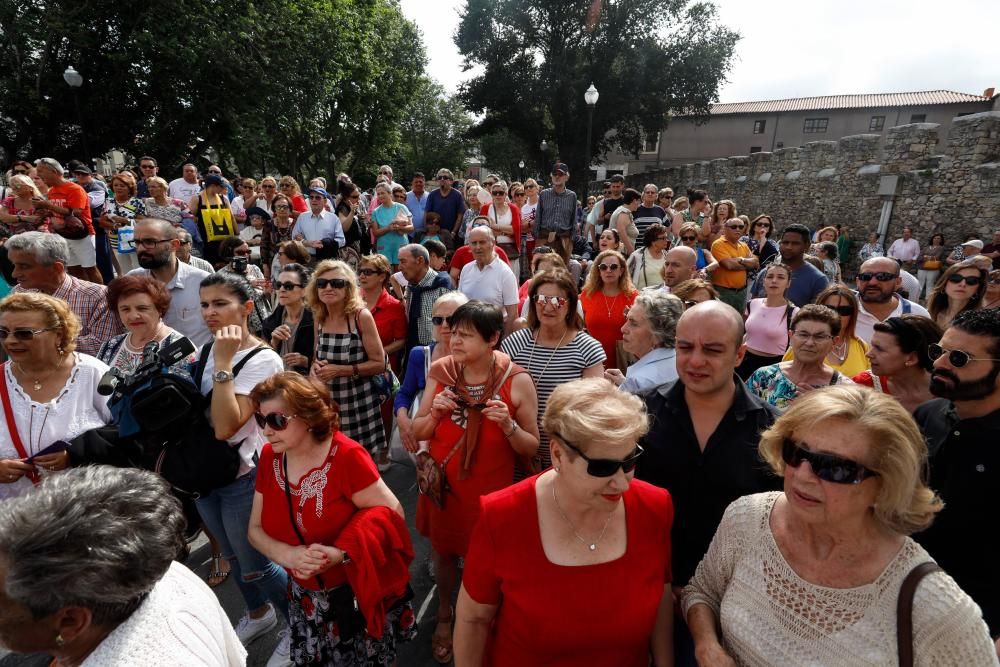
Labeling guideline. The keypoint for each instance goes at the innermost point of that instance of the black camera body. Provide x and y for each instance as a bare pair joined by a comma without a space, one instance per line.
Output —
240,265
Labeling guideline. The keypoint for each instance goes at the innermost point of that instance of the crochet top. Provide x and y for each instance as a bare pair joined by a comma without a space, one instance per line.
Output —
771,616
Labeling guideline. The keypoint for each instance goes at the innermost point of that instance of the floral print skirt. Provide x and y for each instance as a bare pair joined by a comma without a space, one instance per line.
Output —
316,639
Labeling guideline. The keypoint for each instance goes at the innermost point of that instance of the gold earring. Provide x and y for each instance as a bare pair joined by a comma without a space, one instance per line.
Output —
60,641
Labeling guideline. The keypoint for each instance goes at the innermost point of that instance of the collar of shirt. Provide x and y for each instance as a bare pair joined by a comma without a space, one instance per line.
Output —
65,287
654,356
744,403
184,271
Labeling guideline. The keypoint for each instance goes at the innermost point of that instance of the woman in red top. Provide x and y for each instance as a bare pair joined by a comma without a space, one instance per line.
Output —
606,294
572,566
901,365
482,414
390,320
311,470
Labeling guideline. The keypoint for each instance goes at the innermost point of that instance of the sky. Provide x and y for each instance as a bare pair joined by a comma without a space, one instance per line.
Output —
791,48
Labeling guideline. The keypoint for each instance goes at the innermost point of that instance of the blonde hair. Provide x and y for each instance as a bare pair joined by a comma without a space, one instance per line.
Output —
158,181
594,284
897,450
579,409
56,314
353,302
681,204
127,178
26,182
380,263
288,180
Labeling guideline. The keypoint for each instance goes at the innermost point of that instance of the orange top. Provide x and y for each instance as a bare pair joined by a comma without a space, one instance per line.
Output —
723,249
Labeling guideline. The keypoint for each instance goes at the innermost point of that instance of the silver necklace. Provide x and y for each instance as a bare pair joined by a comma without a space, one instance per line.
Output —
590,545
531,356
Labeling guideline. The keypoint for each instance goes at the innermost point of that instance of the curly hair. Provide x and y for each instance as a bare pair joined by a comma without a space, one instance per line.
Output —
56,314
594,283
307,398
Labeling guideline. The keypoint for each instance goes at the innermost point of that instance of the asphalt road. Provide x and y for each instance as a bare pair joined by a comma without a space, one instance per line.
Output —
416,653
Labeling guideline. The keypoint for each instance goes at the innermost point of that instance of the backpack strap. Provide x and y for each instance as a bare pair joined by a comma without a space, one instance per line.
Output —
907,306
904,611
789,309
199,369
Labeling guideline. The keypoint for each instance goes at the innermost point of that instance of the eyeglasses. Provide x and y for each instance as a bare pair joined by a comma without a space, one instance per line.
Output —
881,276
956,358
609,267
845,311
499,193
281,207
147,166
242,253
605,467
554,301
442,177
530,187
276,420
735,226
24,335
316,197
828,467
971,281
689,238
288,287
806,336
185,243
150,243
323,283
267,186
438,320
761,224
369,272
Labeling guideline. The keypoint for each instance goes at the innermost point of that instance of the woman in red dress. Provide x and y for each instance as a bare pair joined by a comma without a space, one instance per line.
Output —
606,294
481,416
311,471
572,566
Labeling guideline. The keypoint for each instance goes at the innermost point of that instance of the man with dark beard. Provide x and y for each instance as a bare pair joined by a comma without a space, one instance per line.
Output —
878,280
962,429
156,245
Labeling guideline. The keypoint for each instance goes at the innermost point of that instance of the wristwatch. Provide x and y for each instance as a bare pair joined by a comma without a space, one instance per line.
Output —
223,376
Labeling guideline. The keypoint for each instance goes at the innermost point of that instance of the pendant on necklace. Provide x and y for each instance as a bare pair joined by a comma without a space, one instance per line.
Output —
593,547
37,385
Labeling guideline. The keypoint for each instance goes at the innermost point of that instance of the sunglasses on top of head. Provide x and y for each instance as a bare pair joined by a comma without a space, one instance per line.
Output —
323,283
828,467
605,467
276,420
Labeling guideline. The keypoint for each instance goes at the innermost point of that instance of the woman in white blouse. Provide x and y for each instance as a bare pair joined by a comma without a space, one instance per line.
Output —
51,390
812,575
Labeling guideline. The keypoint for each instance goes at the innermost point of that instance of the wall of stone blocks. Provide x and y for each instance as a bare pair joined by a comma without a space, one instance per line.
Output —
946,184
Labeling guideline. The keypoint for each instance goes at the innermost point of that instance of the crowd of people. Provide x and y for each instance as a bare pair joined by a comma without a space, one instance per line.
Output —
606,405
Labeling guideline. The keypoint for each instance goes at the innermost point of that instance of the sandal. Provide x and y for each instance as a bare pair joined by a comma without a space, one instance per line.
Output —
216,576
442,646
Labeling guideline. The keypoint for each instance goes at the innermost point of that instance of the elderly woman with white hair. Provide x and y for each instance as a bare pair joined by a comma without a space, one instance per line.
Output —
572,566
813,574
90,572
649,334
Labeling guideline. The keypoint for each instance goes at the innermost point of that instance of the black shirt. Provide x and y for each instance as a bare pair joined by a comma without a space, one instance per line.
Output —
703,484
965,472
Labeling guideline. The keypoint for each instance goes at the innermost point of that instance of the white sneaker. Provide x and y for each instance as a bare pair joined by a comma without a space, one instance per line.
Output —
280,657
249,629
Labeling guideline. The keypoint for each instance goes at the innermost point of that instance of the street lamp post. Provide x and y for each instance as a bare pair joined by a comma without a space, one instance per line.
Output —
590,97
544,146
74,81
520,168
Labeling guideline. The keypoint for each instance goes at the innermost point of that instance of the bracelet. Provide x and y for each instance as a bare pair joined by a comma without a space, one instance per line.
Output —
357,373
513,430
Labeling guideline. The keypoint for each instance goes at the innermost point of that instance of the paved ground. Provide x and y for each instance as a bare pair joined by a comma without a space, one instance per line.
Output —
416,653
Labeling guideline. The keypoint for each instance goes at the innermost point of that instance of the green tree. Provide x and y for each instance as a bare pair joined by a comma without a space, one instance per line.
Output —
503,151
434,133
649,59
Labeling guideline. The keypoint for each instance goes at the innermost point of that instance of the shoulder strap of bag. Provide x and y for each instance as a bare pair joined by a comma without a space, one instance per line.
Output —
904,611
291,513
907,307
203,360
427,360
11,425
788,325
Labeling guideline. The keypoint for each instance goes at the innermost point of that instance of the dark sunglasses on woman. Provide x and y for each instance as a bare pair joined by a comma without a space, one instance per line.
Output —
288,287
323,283
276,420
845,311
369,272
438,320
971,281
605,467
828,467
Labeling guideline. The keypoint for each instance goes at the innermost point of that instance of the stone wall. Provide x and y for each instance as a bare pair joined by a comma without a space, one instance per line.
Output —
946,184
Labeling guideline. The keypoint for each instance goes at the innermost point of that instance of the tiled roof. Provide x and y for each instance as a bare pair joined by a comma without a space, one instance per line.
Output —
923,98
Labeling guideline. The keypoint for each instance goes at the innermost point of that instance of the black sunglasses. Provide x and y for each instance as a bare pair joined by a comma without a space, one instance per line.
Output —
735,226
689,238
971,281
464,404
845,311
605,467
23,335
276,420
288,287
369,272
438,320
323,283
828,467
956,358
881,276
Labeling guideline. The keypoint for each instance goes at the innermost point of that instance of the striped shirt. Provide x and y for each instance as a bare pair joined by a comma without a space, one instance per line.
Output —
551,367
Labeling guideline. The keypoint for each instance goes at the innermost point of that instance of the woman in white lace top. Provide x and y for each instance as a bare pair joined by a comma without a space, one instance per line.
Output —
811,575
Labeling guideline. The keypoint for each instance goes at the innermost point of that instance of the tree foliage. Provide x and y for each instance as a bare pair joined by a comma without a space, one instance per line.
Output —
503,151
434,132
291,86
649,59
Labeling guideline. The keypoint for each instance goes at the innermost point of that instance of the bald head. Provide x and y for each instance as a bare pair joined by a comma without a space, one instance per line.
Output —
162,228
715,316
678,265
879,264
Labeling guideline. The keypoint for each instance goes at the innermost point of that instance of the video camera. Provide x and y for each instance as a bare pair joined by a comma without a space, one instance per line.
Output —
155,395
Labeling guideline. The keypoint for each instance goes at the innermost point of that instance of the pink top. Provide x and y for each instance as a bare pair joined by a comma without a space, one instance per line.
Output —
767,328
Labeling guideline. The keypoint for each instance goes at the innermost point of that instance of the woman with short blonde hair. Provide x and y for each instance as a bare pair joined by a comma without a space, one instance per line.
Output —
812,574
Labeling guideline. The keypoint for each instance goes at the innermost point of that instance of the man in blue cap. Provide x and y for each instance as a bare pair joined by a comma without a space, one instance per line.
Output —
319,230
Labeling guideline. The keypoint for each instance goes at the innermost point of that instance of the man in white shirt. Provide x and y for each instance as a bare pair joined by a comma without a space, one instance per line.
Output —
906,249
488,278
319,230
877,281
187,186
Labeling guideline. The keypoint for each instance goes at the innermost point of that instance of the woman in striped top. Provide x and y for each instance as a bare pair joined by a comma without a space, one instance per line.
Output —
554,348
